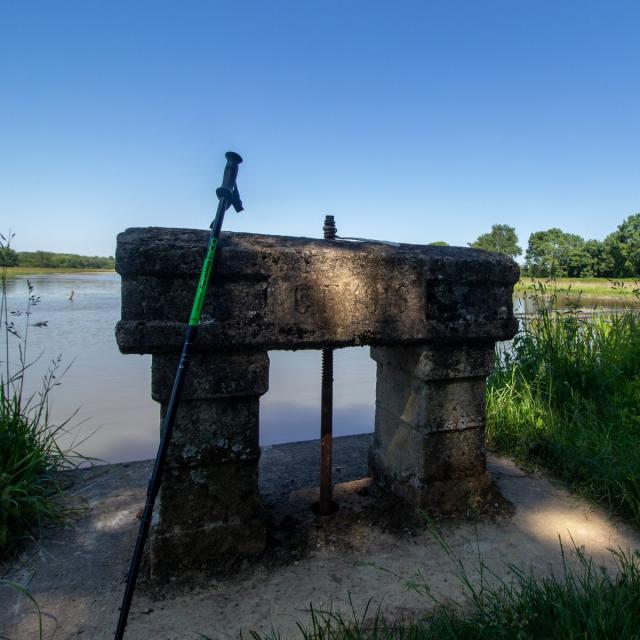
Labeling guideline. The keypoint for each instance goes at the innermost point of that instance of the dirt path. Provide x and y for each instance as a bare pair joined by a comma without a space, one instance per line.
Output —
369,550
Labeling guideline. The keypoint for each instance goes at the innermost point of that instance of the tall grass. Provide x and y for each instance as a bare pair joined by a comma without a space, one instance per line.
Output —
566,395
30,456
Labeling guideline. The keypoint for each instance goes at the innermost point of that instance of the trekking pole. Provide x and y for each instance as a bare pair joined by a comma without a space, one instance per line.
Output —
227,196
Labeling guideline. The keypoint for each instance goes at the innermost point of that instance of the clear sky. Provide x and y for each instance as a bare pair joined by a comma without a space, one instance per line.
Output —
411,121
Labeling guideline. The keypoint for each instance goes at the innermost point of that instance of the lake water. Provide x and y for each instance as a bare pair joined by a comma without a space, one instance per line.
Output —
111,391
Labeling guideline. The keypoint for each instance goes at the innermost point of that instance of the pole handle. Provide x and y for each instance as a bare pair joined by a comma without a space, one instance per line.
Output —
228,190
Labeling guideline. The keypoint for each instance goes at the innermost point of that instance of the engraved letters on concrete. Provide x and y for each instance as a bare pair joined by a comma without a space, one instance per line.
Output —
432,315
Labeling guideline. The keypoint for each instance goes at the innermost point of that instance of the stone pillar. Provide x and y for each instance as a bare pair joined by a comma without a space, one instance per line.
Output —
209,512
429,426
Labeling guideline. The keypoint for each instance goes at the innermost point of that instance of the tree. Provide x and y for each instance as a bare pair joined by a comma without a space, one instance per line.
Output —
439,243
8,257
64,260
623,247
501,239
555,254
599,261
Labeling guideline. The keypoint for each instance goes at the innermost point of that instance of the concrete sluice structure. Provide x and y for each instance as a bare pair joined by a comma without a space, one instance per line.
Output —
431,314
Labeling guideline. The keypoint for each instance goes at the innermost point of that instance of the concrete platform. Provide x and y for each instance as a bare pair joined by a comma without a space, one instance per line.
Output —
368,550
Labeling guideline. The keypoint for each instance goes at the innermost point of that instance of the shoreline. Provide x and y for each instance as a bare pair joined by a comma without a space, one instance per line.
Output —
39,271
592,288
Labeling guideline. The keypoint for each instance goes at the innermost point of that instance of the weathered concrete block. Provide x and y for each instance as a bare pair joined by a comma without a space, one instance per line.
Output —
440,360
209,508
275,292
212,375
208,517
443,472
429,427
408,451
218,493
440,405
211,431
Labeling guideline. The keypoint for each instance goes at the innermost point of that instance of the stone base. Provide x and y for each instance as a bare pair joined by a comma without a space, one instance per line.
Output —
204,495
450,478
428,447
209,514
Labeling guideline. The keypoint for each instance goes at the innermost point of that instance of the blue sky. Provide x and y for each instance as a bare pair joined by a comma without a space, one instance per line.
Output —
411,121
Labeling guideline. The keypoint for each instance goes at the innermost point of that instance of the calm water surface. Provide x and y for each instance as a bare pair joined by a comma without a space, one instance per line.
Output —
117,420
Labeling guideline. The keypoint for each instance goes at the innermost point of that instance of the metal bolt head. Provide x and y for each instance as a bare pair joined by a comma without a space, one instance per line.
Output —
329,228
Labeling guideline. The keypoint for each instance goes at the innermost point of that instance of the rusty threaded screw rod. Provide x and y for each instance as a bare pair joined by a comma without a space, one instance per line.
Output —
326,506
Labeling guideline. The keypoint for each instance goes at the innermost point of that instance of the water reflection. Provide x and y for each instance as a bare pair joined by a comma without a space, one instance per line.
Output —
290,411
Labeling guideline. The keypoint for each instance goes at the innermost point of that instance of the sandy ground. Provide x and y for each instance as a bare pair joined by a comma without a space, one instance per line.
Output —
369,550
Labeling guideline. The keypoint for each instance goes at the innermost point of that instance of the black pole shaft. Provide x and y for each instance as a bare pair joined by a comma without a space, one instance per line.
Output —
165,438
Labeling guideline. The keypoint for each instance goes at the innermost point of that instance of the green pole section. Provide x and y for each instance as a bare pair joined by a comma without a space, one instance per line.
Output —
203,283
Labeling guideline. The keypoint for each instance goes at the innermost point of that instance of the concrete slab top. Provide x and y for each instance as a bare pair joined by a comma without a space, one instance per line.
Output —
279,292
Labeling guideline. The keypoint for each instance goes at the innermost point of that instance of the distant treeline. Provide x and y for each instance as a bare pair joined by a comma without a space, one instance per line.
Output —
556,254
10,258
